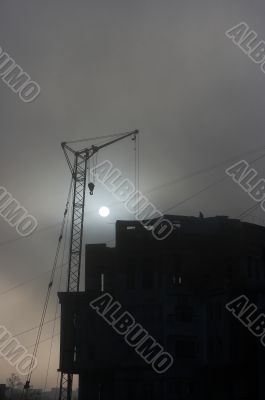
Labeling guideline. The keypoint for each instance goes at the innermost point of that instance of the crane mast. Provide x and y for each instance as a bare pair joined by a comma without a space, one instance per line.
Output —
78,168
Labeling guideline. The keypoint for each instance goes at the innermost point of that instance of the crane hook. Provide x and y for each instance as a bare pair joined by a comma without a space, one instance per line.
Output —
91,187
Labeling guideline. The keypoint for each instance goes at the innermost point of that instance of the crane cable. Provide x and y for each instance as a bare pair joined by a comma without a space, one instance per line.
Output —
166,184
136,170
96,138
57,304
27,384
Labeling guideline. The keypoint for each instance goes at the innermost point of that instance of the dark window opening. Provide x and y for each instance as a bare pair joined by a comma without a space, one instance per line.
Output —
148,274
183,314
148,279
210,312
130,280
249,267
186,348
219,310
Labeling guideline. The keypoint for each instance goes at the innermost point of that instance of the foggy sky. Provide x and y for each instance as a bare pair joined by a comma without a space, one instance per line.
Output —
164,67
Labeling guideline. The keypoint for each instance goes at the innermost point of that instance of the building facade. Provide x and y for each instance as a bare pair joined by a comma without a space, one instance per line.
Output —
177,290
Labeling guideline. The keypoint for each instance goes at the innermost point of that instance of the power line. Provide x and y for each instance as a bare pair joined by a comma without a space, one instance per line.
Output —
195,194
57,304
35,327
28,281
170,208
243,214
215,183
34,233
32,345
43,315
204,170
248,211
177,180
38,276
199,172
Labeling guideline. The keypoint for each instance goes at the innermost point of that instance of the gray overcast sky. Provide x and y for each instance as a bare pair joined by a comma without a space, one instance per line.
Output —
164,67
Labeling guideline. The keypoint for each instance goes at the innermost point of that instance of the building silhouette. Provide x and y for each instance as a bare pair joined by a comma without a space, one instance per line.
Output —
177,289
2,391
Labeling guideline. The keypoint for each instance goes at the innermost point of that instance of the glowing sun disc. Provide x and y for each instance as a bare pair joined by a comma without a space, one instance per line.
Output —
104,212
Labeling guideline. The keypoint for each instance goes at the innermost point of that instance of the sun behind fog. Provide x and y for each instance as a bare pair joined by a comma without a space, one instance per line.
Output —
103,211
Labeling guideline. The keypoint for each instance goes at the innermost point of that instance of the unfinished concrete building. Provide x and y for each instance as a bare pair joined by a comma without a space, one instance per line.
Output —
177,290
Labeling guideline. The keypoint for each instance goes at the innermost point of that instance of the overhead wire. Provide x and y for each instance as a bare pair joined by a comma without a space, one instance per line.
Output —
37,277
167,210
190,197
26,282
137,185
215,183
32,345
43,315
204,170
33,328
249,210
158,187
57,303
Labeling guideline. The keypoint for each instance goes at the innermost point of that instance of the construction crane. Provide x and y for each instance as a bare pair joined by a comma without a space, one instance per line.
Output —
79,171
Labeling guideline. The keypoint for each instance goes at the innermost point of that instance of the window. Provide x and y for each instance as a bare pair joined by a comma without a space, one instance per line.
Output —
211,348
263,262
131,274
148,279
91,353
219,309
210,312
130,279
182,387
131,395
249,267
160,279
183,300
148,274
229,270
175,267
253,270
160,267
148,391
186,347
256,266
219,347
101,278
183,314
102,282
